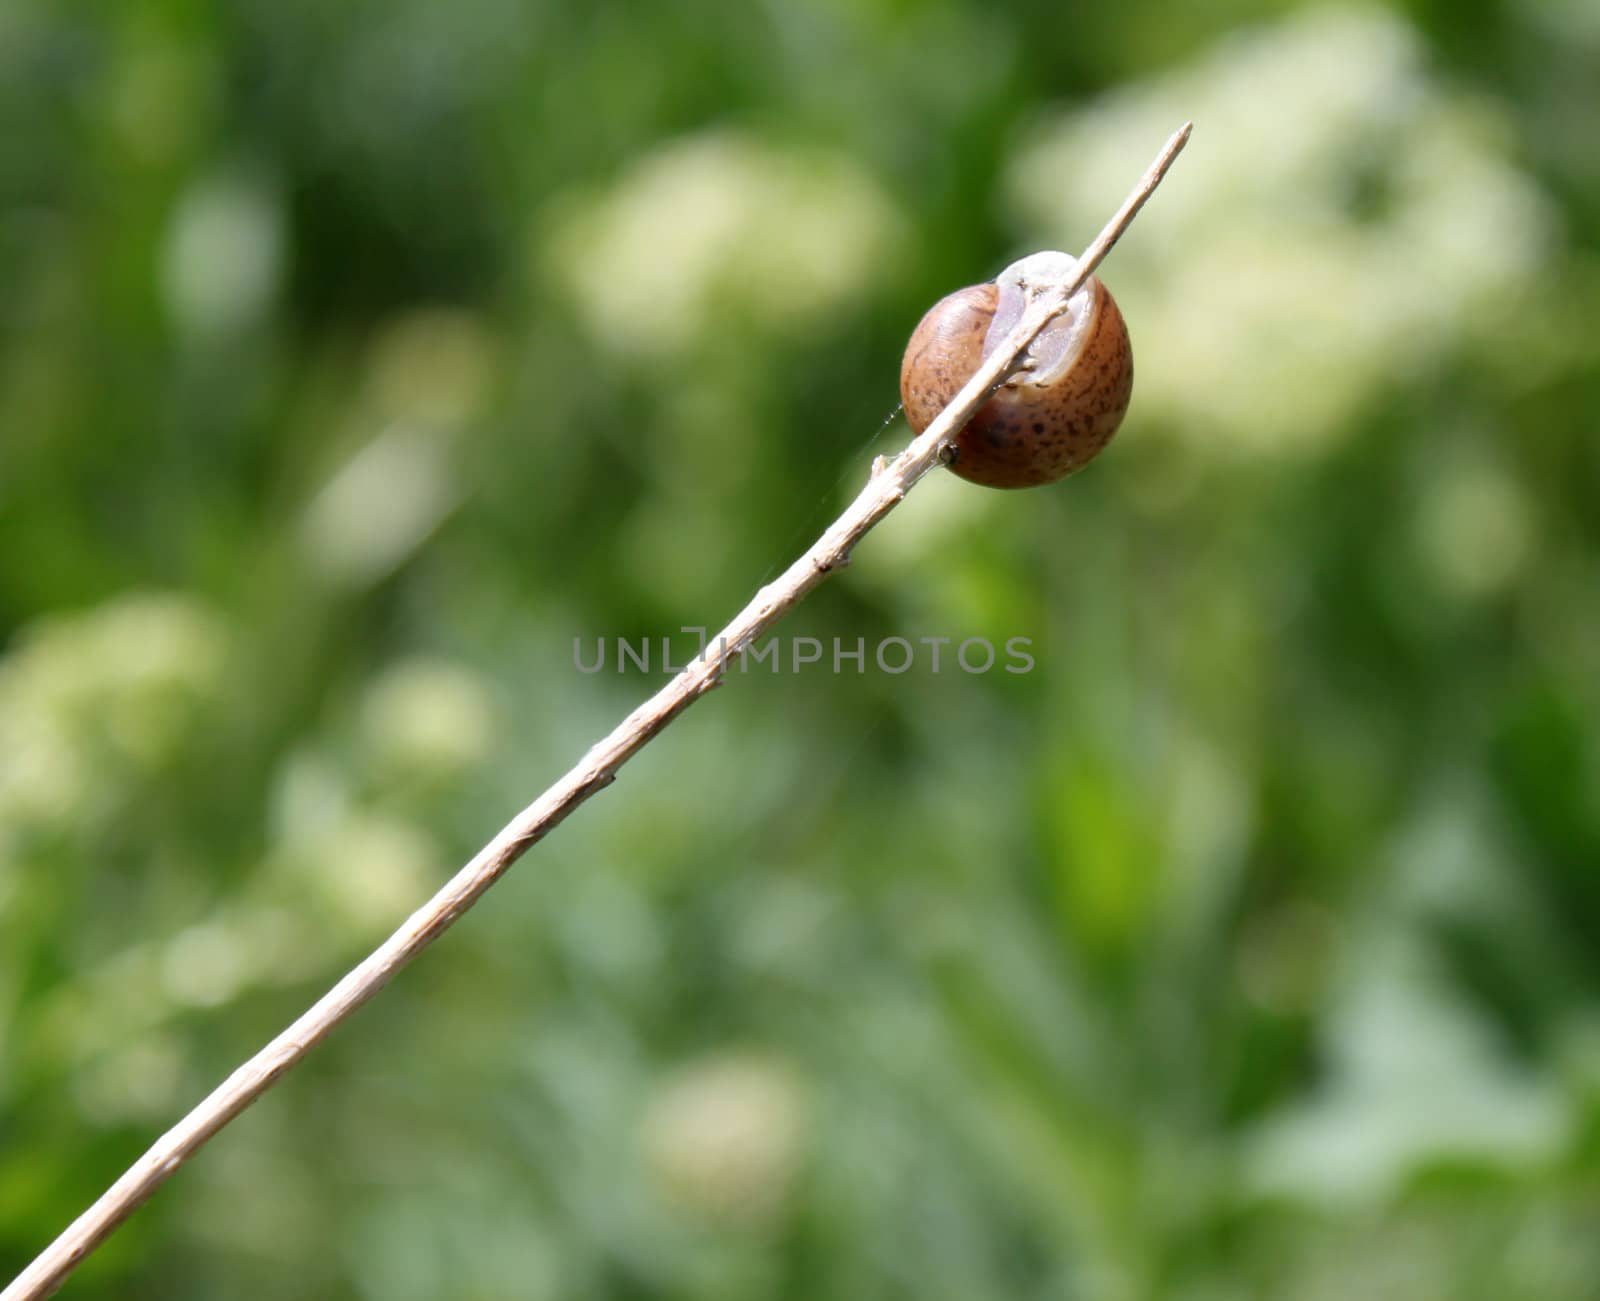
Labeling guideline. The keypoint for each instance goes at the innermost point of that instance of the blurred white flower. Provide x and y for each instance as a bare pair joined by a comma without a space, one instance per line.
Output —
120,684
1339,221
363,869
426,717
225,253
380,506
716,232
374,871
725,1137
1474,529
205,965
311,798
216,960
429,374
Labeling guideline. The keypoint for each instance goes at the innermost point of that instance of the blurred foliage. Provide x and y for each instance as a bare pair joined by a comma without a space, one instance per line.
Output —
355,358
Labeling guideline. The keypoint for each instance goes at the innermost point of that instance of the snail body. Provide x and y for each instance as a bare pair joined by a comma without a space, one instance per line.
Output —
1060,408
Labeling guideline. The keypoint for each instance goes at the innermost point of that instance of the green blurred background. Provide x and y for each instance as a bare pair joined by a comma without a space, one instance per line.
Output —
356,357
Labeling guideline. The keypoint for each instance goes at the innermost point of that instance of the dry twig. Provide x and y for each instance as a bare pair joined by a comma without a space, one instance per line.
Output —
597,769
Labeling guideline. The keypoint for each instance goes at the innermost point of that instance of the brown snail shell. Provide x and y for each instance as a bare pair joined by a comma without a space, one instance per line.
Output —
1045,422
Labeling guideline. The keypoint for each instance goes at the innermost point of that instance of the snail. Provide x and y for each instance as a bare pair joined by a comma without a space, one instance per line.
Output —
1066,399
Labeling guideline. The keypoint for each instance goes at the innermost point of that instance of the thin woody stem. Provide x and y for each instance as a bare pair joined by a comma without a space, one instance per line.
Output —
595,771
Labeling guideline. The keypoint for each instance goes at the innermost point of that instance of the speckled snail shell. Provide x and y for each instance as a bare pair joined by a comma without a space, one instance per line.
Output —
1045,422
